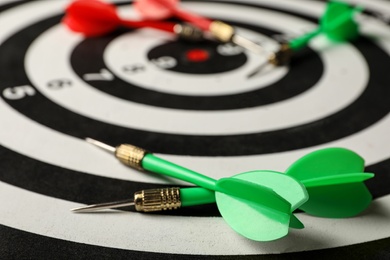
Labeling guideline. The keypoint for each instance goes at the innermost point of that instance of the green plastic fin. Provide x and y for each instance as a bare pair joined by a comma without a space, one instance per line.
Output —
265,224
337,201
338,21
334,180
326,162
255,193
295,222
286,186
252,220
252,210
337,179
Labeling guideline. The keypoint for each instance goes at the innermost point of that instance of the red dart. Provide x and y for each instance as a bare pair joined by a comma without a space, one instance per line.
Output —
153,10
161,9
95,18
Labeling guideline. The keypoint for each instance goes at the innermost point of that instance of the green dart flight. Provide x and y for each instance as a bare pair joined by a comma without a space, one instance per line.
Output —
334,179
337,23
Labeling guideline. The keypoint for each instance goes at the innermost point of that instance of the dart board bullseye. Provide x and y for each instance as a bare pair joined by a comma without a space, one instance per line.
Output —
197,55
186,58
192,103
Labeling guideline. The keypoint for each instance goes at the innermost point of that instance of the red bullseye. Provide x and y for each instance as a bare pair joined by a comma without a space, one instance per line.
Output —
197,55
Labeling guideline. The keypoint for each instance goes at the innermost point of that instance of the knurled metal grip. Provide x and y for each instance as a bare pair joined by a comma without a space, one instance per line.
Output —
222,31
188,32
281,57
157,199
130,155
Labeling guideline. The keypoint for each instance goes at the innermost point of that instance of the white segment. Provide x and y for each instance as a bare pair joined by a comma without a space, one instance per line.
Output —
182,235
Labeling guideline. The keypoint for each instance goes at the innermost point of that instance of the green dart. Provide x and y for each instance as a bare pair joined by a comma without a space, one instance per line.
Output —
258,209
334,179
337,23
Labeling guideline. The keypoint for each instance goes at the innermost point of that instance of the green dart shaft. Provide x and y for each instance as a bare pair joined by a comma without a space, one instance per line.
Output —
196,196
303,40
237,188
141,159
155,164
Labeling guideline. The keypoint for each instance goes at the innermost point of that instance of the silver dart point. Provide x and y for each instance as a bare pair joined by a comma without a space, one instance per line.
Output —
257,70
101,206
101,145
248,44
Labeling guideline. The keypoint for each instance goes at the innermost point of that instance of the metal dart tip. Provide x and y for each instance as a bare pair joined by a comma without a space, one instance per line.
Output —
257,70
226,33
144,201
101,145
127,154
248,44
101,206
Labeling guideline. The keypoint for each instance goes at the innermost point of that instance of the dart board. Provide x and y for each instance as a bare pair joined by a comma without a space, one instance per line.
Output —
192,103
